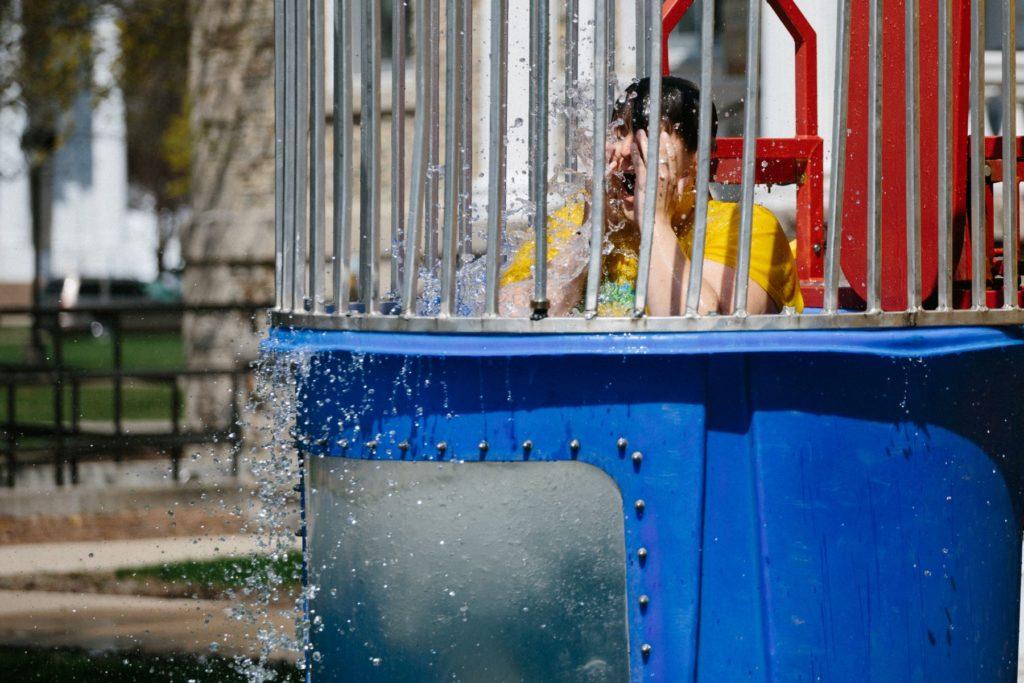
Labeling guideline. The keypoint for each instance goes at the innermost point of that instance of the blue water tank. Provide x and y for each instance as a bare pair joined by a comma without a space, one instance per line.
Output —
789,506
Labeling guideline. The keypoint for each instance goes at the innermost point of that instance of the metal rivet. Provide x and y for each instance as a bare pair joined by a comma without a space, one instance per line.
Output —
321,442
527,445
638,458
644,601
442,446
483,446
343,443
403,446
574,445
640,505
645,650
371,444
622,443
642,554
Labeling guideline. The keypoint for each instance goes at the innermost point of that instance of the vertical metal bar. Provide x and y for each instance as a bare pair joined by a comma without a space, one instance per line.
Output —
612,75
496,162
343,147
369,158
700,225
874,198
838,174
652,163
466,175
302,151
601,102
434,136
279,174
945,174
398,31
979,260
539,35
643,35
318,160
424,92
1010,229
288,160
452,158
572,69
913,151
750,114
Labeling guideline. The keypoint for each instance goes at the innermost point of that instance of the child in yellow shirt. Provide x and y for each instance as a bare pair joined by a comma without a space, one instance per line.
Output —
773,281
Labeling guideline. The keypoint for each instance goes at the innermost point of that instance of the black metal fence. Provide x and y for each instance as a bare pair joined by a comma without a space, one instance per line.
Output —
64,442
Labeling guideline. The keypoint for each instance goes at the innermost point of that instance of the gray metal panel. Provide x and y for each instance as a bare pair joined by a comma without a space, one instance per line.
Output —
466,571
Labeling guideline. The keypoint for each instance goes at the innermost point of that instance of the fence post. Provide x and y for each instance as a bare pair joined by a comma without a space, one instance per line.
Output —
11,439
76,427
234,428
176,448
58,402
116,332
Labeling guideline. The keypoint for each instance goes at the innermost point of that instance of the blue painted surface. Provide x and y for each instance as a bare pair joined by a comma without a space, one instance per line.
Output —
818,505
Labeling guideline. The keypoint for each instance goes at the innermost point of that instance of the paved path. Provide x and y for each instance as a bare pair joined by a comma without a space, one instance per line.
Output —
117,622
97,556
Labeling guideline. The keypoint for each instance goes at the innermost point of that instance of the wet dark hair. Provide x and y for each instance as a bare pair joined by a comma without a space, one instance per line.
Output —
680,100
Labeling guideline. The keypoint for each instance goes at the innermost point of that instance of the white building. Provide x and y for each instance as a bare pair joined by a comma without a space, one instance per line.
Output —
95,232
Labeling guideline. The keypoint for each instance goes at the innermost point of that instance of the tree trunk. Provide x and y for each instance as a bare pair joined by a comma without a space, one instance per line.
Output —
41,204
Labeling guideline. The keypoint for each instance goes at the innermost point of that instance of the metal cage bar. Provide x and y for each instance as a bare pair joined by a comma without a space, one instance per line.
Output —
649,208
539,38
302,155
978,200
572,40
288,159
496,162
913,148
874,198
398,47
417,186
601,101
433,48
841,101
279,150
466,152
318,158
700,224
1009,133
945,158
343,146
452,158
750,114
369,159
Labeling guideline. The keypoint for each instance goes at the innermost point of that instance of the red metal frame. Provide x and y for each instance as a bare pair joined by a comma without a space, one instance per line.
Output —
789,161
994,256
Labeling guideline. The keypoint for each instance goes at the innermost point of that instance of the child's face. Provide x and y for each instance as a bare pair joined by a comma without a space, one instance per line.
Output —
621,176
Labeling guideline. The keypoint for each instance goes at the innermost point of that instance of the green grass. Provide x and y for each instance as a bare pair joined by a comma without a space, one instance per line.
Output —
227,572
140,400
75,666
140,350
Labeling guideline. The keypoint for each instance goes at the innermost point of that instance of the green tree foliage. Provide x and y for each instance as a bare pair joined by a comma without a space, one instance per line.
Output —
153,75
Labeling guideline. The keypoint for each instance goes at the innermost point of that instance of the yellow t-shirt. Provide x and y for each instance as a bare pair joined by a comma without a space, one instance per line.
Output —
772,265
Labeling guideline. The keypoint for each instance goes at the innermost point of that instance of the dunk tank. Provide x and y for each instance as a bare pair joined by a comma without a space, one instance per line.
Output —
832,494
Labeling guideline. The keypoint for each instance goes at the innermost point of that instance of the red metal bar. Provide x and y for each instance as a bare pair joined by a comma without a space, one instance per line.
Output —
806,62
